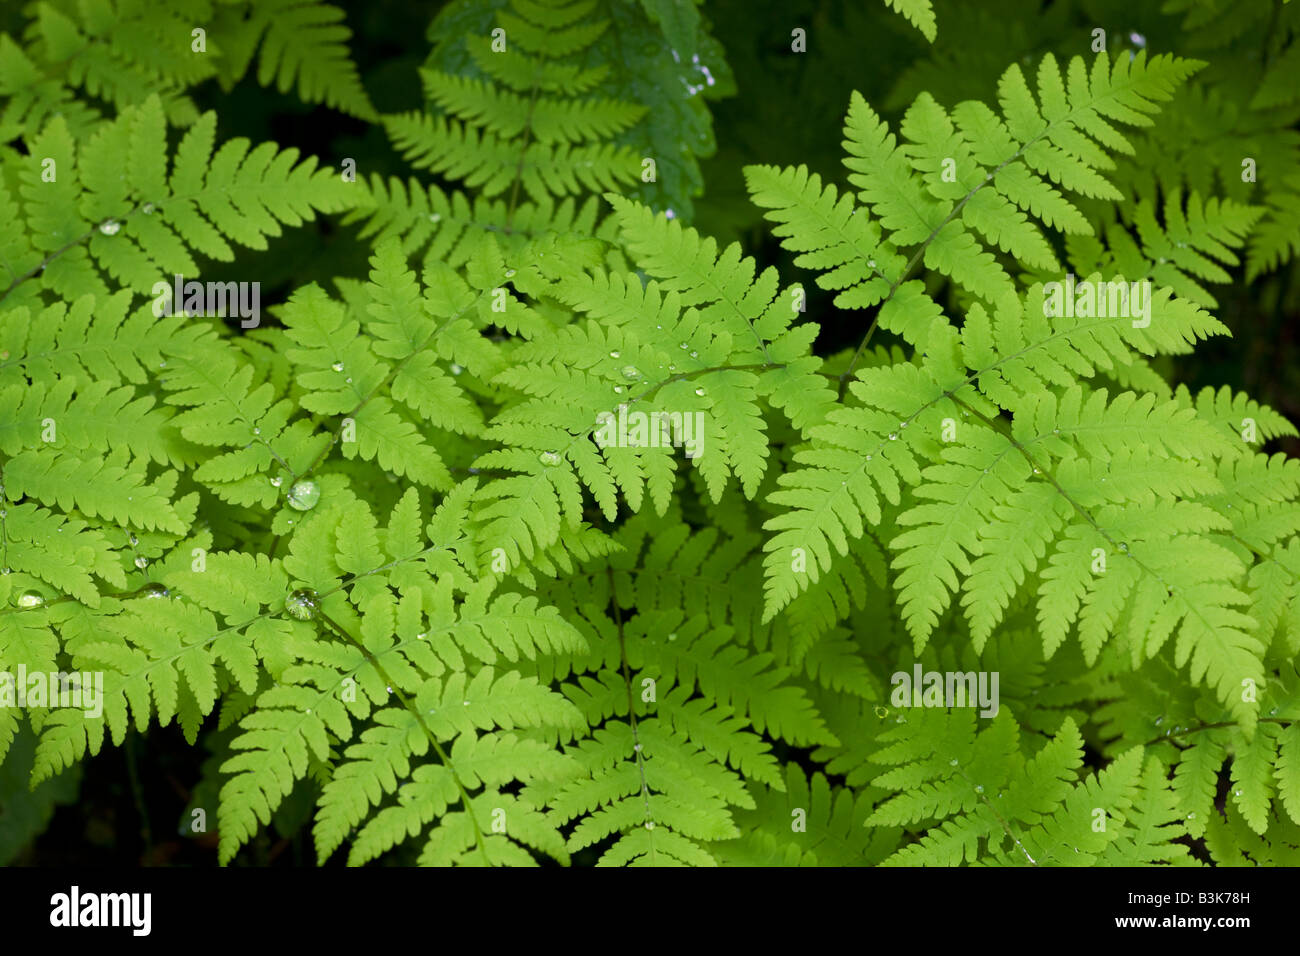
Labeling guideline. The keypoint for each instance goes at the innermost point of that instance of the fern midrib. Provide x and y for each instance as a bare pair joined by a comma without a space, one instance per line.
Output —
1051,126
419,718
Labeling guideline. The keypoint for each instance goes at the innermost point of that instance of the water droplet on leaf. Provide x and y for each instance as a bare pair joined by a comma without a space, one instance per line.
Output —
29,599
302,604
304,495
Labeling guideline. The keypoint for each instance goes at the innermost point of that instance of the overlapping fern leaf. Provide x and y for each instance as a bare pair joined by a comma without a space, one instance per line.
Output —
999,450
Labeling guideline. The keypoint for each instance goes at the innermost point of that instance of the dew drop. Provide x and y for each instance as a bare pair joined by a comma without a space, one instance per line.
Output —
952,762
868,458
683,346
110,227
277,481
29,599
699,391
257,431
147,209
893,436
631,373
154,591
694,354
466,703
456,369
510,273
348,380
636,747
672,636
435,217
142,562
337,366
614,353
133,540
979,788
618,389
302,604
649,824
304,495
549,458
421,636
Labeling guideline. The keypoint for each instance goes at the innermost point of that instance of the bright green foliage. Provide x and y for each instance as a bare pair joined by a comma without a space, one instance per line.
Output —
544,532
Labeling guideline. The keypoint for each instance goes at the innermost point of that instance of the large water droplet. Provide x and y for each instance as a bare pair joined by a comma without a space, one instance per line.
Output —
302,604
29,599
304,495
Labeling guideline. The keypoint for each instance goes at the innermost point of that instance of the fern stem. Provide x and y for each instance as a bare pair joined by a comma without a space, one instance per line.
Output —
523,152
1222,725
45,262
631,710
1003,823
419,719
1042,469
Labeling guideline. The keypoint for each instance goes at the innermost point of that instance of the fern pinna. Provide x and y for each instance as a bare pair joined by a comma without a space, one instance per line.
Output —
547,534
